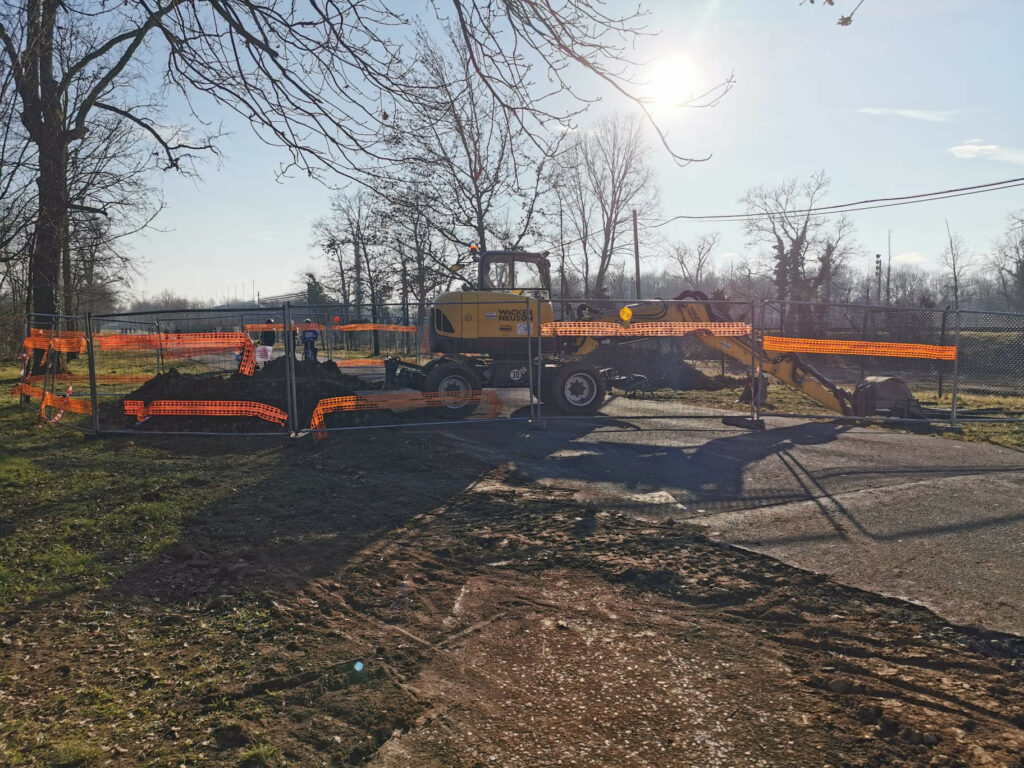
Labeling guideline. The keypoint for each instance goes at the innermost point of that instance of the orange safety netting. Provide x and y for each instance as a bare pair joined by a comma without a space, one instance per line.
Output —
280,327
403,400
76,343
141,411
359,363
868,348
642,329
375,327
48,333
185,345
63,402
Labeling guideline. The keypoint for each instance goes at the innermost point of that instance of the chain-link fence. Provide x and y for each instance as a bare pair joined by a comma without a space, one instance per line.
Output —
990,368
656,358
854,349
292,370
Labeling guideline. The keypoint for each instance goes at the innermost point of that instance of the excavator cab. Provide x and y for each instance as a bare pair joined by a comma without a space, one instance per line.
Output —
520,273
511,302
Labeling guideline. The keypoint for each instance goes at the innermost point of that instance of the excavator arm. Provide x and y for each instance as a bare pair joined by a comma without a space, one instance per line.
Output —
787,367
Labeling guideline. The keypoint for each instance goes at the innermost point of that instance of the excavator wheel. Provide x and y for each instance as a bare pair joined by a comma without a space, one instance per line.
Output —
576,389
458,386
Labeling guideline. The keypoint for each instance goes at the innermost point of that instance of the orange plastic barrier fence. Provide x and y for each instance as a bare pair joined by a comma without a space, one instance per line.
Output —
67,403
46,333
387,400
63,402
368,362
280,327
141,411
59,344
375,327
868,348
643,329
185,344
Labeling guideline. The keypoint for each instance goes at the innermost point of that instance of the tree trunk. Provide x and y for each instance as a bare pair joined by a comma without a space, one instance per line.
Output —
50,234
51,227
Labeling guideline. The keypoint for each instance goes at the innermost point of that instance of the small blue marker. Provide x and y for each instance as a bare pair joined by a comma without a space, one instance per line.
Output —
359,666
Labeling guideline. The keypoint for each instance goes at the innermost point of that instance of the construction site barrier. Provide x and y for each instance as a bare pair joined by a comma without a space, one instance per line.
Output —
141,411
867,348
583,328
399,401
367,362
185,345
375,327
74,343
63,402
250,327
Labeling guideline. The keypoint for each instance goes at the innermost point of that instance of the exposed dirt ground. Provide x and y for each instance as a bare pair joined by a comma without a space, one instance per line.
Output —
504,624
314,382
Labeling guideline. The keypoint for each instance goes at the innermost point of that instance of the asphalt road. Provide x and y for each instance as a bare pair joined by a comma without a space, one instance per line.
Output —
932,520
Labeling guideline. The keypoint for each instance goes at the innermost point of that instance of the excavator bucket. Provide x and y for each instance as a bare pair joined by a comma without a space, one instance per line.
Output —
885,396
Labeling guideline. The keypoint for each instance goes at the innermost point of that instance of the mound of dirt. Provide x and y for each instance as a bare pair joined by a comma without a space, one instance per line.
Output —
661,361
314,381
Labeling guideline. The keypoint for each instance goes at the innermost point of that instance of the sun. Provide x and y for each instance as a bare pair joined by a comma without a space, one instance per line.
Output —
673,81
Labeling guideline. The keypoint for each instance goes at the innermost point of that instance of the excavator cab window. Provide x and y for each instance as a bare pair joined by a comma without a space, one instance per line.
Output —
525,274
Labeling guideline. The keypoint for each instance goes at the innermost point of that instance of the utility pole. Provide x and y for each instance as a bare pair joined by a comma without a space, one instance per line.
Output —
561,242
636,254
878,276
888,274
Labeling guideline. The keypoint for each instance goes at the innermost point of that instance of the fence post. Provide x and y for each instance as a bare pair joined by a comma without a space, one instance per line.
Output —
540,364
956,373
92,373
289,367
942,343
531,323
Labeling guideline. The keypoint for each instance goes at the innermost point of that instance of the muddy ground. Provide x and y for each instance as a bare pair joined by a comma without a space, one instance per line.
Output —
456,613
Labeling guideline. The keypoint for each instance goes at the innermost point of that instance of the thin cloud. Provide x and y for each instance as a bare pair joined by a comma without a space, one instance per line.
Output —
927,115
975,149
911,257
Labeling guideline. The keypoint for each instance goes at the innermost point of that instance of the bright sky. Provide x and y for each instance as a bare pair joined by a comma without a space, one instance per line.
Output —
914,96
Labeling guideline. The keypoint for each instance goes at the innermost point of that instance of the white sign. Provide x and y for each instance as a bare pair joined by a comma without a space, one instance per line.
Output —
263,354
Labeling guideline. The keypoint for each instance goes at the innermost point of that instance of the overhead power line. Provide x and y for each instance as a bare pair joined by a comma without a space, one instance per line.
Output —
859,205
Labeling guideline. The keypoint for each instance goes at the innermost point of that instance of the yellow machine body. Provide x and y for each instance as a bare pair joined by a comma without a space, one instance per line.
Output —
486,322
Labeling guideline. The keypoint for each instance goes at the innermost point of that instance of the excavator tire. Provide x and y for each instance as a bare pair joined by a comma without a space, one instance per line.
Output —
451,380
576,389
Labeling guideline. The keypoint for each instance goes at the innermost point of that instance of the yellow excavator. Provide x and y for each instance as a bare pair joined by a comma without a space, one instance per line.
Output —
491,336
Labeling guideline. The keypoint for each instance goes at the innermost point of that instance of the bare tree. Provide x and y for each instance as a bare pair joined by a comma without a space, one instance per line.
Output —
832,248
785,223
602,177
482,168
957,262
318,79
695,261
1007,261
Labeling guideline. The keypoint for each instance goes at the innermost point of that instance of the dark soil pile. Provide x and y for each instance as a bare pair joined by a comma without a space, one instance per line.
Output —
314,381
661,361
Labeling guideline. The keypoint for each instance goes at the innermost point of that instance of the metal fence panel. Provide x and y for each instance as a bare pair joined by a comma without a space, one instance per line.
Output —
859,342
991,365
656,366
55,376
185,371
294,369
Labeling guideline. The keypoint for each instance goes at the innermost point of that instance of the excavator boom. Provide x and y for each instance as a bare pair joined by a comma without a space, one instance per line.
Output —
787,368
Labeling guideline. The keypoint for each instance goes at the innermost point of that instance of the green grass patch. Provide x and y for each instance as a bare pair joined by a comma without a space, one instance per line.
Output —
260,756
76,513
